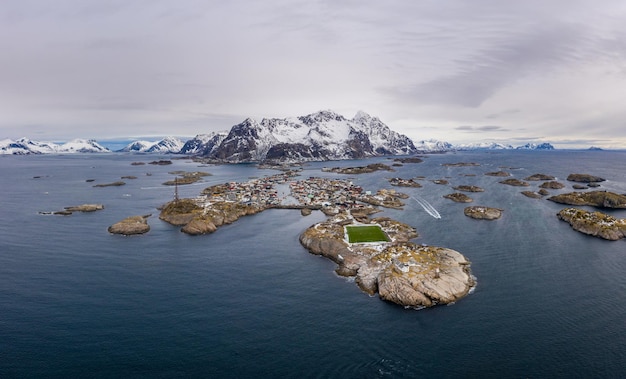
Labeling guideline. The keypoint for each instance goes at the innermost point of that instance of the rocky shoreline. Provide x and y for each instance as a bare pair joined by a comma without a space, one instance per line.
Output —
399,271
595,224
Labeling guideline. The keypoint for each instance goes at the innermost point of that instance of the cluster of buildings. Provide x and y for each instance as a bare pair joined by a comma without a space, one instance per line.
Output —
282,191
325,192
261,191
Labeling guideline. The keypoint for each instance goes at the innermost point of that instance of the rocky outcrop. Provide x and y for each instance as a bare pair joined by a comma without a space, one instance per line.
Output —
515,183
461,164
483,213
400,271
459,197
552,185
185,177
422,276
466,188
131,225
114,184
400,182
359,169
196,219
498,173
539,177
409,160
67,211
85,208
532,195
384,198
584,178
595,224
599,199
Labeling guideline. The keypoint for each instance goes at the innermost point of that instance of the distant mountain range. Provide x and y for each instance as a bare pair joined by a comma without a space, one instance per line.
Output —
25,146
319,136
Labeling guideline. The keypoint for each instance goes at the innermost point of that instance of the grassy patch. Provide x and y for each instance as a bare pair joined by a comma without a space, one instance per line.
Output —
366,233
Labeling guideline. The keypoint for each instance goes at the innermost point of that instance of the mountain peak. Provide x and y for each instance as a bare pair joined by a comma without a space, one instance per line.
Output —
361,116
321,116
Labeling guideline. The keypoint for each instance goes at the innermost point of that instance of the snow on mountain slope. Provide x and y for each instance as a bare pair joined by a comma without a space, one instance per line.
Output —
433,145
204,144
322,135
136,147
83,146
166,145
24,146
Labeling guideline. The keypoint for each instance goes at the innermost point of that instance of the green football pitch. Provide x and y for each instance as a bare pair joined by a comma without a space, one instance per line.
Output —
365,233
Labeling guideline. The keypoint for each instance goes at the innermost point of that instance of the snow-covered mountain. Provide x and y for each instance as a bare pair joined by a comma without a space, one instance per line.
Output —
434,146
484,146
136,147
204,144
499,146
164,146
24,146
324,135
534,146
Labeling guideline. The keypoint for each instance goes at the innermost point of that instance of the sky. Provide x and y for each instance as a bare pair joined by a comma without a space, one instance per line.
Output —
458,71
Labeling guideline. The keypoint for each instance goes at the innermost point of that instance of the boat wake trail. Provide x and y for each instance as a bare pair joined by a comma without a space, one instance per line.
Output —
427,207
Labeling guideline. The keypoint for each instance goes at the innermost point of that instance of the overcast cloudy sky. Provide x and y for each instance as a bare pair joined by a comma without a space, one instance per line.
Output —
460,71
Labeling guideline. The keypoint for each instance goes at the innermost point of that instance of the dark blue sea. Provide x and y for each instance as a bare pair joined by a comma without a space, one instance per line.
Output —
250,301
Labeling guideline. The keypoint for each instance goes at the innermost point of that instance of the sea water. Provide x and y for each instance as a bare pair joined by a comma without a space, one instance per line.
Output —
249,300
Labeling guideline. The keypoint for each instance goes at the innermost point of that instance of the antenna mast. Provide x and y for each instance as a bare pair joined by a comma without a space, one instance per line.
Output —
176,189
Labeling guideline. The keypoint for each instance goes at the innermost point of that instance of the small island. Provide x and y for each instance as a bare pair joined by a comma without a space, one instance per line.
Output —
459,197
599,199
359,169
539,177
466,188
131,225
514,182
585,178
480,212
498,173
552,185
400,182
595,224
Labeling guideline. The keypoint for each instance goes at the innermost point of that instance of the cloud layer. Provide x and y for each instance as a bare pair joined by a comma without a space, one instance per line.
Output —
456,70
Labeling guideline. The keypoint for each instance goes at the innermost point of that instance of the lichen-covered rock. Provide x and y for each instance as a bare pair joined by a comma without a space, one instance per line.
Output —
199,225
131,225
531,194
498,173
480,212
197,219
539,177
85,208
552,185
384,198
404,182
515,182
423,276
599,199
466,188
459,197
180,212
595,224
584,178
114,184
